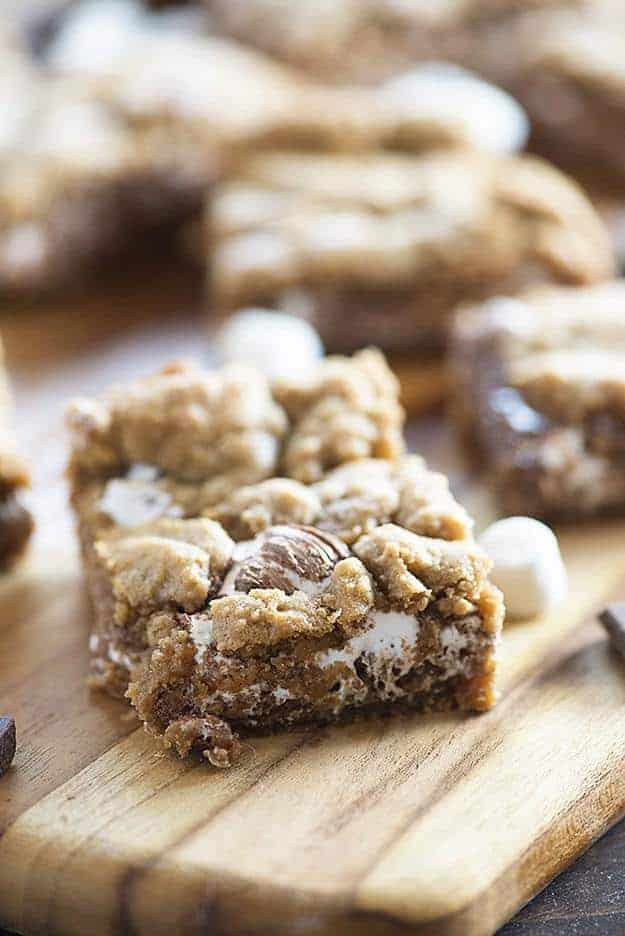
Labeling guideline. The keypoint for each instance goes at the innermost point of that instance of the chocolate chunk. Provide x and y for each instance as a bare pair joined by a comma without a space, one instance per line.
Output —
613,619
7,742
289,557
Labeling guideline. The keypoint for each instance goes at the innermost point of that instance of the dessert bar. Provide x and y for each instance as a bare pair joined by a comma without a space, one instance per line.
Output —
382,248
170,81
79,181
259,557
365,40
380,601
95,158
174,446
540,394
573,84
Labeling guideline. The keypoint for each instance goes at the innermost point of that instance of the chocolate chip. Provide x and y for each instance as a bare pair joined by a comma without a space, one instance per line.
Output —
289,556
7,742
613,619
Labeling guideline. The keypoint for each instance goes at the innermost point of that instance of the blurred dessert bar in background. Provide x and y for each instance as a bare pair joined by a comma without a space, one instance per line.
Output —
79,185
573,83
15,521
562,60
366,40
382,248
111,144
539,393
167,450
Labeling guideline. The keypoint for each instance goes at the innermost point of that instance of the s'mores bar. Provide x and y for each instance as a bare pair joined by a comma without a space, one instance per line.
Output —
175,81
573,84
170,448
79,185
366,40
381,600
540,393
16,522
382,248
109,147
262,556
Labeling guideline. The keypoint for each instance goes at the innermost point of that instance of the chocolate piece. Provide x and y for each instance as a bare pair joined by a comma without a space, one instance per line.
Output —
396,243
287,557
7,742
539,385
613,619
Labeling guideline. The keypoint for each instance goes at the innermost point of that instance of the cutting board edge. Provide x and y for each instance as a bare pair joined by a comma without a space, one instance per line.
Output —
214,896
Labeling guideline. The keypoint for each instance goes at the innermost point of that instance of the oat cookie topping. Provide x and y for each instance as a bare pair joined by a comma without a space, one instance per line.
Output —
223,429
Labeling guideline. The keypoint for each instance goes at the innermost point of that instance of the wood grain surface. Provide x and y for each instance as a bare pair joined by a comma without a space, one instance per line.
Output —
436,825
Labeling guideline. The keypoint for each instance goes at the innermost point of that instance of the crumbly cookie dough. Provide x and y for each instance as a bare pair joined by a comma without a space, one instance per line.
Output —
540,391
396,243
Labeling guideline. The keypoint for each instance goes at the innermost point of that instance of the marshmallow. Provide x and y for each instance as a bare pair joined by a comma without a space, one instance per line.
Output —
132,501
281,346
528,566
492,120
96,35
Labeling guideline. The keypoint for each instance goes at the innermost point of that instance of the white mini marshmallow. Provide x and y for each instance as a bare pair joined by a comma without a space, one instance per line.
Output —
528,566
492,120
96,35
282,346
131,503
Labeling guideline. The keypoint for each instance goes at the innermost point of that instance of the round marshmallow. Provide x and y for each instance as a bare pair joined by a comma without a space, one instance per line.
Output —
96,35
492,120
527,566
282,346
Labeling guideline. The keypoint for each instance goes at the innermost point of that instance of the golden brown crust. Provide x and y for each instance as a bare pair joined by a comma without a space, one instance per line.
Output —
351,500
225,429
416,570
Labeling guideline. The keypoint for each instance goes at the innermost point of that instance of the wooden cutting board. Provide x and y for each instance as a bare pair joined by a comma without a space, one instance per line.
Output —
440,824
